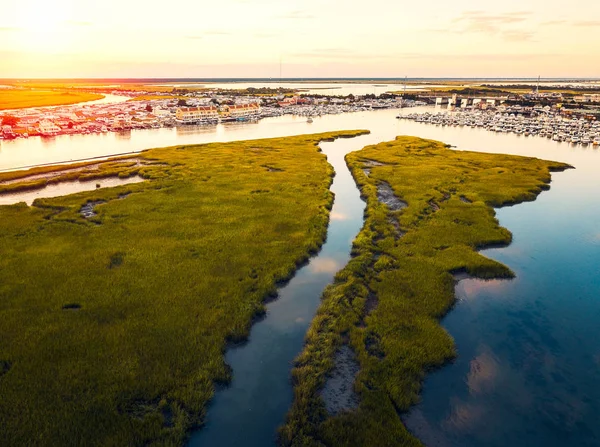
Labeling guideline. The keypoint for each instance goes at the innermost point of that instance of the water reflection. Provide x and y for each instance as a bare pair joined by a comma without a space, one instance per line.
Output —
65,188
467,289
527,371
324,265
483,373
338,216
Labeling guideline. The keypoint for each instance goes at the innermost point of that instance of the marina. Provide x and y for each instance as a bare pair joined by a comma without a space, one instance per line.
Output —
120,116
542,124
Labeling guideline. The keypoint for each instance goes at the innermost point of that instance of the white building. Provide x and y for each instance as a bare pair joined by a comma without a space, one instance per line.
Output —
47,127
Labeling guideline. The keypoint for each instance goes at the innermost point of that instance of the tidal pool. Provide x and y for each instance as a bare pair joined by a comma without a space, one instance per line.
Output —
65,188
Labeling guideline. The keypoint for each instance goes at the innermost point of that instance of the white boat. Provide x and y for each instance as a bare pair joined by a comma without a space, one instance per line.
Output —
309,120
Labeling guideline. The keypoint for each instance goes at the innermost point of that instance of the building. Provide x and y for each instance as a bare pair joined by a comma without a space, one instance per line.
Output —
197,115
239,112
587,98
287,102
48,128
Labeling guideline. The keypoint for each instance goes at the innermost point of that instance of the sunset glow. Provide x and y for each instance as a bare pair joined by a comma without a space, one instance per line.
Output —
239,38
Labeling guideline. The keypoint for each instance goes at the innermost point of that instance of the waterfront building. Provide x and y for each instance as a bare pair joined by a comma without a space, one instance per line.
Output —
47,127
239,111
194,115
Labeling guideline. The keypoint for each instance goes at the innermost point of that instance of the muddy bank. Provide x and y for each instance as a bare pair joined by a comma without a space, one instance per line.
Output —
385,194
338,393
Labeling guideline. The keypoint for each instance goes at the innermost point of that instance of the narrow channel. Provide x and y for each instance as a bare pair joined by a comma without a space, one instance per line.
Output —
249,410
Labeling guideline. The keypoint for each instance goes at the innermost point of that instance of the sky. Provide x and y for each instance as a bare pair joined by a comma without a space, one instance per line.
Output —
310,38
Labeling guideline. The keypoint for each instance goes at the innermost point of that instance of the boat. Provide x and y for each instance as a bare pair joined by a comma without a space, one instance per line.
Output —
309,120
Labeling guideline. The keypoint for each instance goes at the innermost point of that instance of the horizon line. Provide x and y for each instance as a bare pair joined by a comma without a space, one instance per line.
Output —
271,79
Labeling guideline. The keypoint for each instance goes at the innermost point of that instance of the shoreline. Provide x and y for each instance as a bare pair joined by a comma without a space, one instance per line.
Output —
380,267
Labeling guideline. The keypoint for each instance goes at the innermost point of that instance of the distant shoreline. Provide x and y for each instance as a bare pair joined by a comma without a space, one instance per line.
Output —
398,80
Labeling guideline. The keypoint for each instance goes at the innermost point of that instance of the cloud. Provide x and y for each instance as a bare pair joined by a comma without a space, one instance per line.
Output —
499,25
584,23
338,53
517,35
78,23
553,22
296,15
8,29
587,23
217,33
265,35
208,33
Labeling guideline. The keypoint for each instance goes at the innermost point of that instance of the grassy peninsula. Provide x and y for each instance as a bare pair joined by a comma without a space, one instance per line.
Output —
113,327
23,98
386,304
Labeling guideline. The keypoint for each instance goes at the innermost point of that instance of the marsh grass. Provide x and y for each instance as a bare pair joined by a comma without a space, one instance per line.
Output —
23,98
113,328
389,299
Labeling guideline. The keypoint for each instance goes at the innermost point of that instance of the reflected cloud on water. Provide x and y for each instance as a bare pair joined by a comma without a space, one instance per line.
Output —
336,215
324,265
470,288
483,373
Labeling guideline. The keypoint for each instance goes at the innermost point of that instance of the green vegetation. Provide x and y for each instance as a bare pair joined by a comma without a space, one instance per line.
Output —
386,304
114,327
23,98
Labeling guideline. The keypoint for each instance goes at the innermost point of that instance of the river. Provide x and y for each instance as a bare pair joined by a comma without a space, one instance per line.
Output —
249,411
528,366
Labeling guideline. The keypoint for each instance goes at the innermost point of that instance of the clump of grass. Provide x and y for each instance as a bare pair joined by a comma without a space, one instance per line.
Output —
197,254
390,297
23,186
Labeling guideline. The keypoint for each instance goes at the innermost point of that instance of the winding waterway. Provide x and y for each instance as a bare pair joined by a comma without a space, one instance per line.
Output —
249,411
528,366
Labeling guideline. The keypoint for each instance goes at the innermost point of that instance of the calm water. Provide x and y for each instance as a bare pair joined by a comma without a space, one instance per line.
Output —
528,366
65,188
108,99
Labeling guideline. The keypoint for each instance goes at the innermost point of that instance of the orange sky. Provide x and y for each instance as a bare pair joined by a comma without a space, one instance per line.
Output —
247,38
